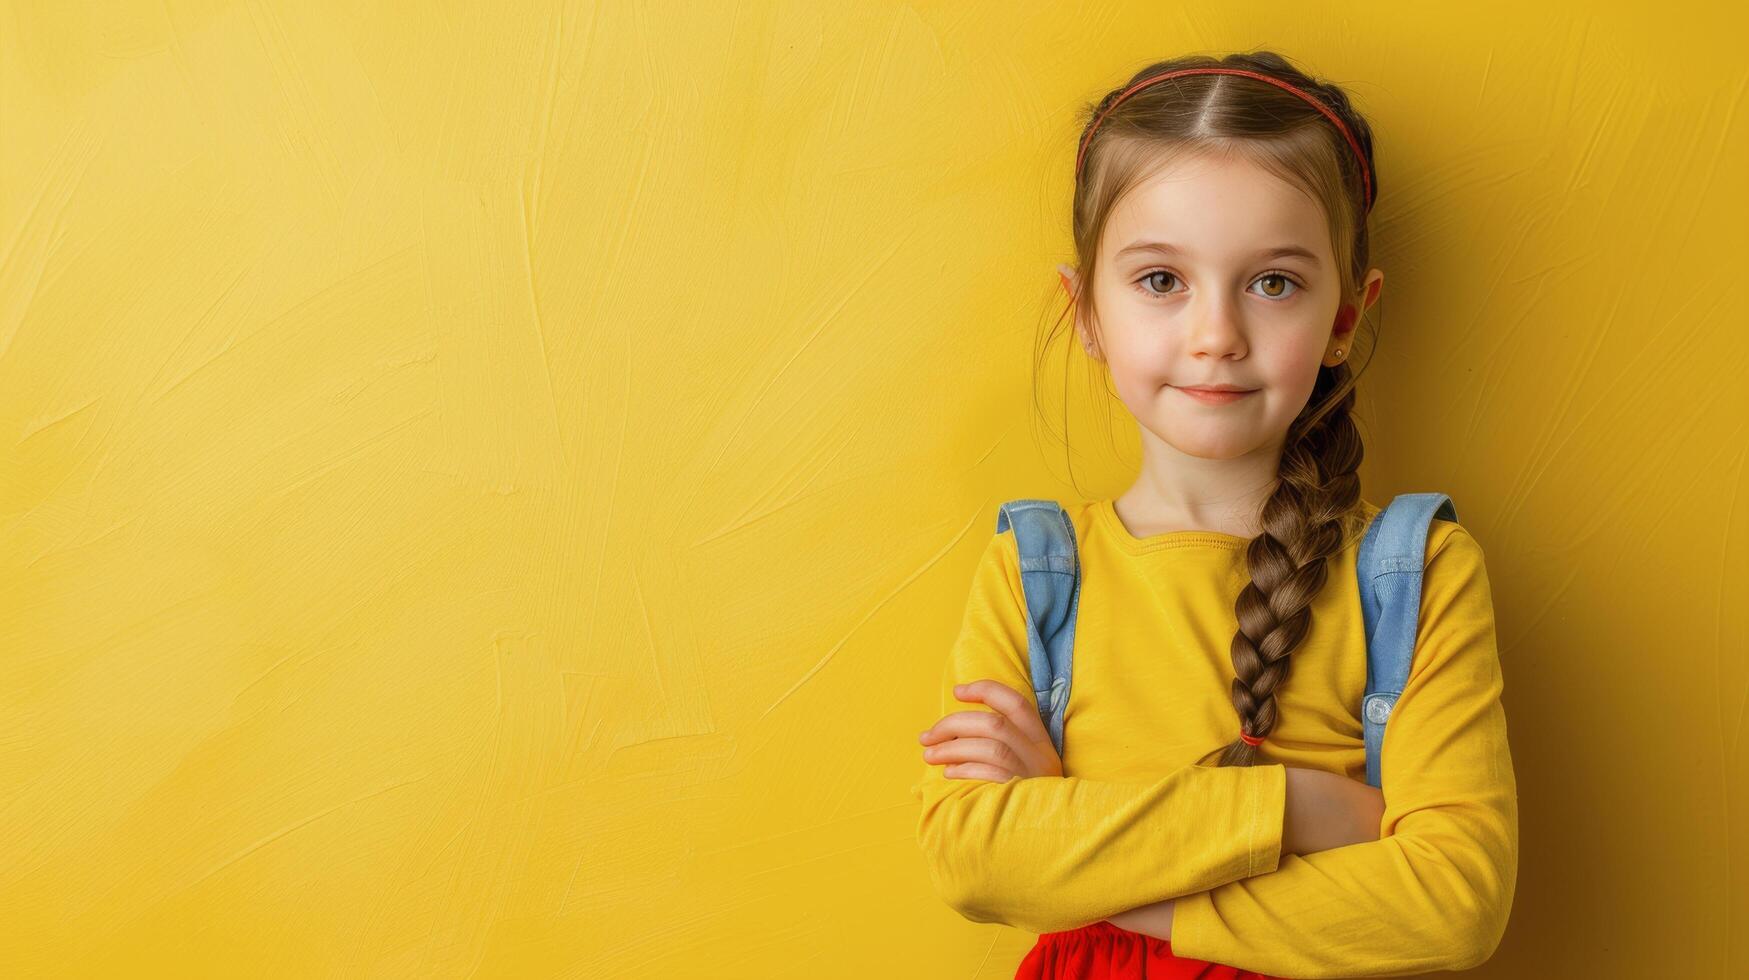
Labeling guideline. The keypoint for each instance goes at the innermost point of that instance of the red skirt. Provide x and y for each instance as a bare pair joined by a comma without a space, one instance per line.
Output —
1102,950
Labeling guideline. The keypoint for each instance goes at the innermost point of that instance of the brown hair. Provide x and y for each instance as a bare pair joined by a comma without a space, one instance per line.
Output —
1313,510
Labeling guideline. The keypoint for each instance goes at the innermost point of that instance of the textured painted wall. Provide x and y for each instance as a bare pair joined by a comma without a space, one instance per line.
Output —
487,489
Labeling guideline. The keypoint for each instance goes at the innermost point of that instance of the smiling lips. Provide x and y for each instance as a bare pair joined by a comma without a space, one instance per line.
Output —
1219,395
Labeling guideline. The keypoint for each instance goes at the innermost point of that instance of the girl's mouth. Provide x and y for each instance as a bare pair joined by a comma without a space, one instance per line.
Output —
1213,397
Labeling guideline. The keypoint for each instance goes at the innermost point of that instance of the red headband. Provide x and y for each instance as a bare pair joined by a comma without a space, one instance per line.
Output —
1365,172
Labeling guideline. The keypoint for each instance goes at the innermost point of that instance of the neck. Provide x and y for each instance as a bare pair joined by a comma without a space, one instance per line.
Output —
1177,491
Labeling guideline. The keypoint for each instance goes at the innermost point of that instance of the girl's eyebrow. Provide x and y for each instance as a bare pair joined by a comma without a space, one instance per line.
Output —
1167,248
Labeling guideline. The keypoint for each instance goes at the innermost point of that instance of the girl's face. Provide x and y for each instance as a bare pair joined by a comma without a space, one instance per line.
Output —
1190,295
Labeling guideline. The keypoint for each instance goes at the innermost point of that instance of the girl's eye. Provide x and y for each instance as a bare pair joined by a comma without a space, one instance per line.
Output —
1149,276
1281,291
1285,280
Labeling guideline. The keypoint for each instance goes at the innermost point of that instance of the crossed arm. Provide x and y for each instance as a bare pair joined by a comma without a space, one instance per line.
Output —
1009,742
1206,856
1320,810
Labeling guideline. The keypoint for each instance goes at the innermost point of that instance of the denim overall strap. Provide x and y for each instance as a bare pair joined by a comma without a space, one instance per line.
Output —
1050,577
1388,570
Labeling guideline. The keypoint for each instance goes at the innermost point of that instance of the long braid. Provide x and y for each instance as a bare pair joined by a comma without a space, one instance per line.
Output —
1306,520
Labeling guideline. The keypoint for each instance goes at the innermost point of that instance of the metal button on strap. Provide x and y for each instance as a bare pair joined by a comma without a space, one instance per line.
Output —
1378,709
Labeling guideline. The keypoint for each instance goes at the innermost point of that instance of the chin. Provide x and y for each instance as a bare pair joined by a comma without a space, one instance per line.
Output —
1211,445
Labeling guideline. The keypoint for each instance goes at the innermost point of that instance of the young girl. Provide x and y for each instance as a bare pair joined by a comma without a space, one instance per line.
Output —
1210,818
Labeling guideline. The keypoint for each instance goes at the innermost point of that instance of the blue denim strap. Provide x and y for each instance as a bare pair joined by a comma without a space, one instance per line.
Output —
1050,577
1388,570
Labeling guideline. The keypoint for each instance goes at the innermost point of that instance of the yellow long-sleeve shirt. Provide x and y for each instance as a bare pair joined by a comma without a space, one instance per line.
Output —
1142,814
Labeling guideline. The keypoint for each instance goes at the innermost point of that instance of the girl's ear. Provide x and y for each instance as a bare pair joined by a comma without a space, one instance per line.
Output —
1348,317
1370,287
1071,285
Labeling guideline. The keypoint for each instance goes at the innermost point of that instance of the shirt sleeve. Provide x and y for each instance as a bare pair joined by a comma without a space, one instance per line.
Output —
1047,854
1434,892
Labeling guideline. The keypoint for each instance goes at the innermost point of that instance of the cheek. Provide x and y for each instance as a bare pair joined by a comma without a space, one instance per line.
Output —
1140,379
1292,373
1293,362
1140,359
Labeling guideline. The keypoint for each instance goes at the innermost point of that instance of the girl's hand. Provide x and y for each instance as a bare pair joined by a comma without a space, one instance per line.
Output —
1007,742
1327,810
1149,920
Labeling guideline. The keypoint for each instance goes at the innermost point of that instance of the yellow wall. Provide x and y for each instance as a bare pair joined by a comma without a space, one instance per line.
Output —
488,488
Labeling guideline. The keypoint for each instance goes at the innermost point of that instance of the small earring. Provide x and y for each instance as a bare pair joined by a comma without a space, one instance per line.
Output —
1339,353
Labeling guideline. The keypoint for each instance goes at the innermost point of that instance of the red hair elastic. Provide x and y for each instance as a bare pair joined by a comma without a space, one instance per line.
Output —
1251,739
1353,144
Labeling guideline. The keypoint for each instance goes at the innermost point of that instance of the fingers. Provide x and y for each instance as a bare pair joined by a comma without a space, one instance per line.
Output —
960,724
1004,699
977,770
1009,709
1013,707
990,733
982,750
1005,742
